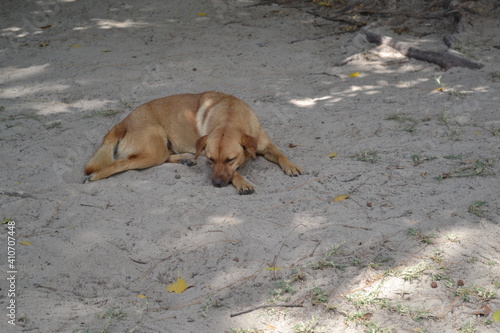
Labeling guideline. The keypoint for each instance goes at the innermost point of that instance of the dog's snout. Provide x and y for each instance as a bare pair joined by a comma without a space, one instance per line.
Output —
218,182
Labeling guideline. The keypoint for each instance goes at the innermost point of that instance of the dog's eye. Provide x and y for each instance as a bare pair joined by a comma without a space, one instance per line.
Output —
230,160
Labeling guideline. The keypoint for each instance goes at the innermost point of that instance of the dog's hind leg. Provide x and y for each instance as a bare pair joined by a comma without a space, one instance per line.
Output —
141,161
153,152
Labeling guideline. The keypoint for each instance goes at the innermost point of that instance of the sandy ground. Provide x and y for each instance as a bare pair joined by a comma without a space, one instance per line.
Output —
420,167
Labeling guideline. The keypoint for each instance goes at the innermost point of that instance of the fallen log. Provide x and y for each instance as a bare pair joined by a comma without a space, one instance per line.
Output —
445,60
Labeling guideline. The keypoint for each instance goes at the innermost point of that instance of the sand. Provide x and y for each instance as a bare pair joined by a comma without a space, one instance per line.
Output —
419,165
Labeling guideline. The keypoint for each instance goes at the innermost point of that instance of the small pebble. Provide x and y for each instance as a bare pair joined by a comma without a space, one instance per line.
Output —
177,176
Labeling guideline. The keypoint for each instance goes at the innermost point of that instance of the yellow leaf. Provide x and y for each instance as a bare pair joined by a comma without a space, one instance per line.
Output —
332,155
477,133
76,45
25,243
355,74
141,296
202,14
273,268
341,197
439,89
270,327
178,287
496,315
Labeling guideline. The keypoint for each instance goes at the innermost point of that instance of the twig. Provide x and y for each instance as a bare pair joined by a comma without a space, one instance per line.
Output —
267,306
339,18
45,287
17,194
100,207
353,227
275,260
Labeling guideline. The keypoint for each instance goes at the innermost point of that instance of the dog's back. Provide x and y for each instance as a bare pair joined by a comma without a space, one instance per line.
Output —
221,110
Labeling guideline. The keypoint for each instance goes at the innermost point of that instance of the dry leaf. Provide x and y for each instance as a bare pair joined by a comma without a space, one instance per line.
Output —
332,155
46,26
141,296
355,74
269,327
367,316
76,45
273,268
178,286
202,14
388,205
25,243
496,316
483,311
341,197
438,89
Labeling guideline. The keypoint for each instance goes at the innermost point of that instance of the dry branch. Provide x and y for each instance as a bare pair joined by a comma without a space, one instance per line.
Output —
18,194
267,306
443,59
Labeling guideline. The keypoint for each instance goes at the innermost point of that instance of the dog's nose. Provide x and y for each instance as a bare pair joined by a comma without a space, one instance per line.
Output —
217,182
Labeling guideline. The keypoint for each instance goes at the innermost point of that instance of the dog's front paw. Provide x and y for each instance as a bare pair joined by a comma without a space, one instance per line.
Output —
292,170
87,179
243,191
241,184
187,161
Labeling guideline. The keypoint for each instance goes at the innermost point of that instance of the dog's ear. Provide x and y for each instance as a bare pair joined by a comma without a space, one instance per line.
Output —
249,143
200,145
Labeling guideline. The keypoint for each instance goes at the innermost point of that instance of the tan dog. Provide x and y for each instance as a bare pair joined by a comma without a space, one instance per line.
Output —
223,126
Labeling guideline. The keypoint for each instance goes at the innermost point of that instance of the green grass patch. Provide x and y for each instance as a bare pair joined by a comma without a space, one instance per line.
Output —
369,156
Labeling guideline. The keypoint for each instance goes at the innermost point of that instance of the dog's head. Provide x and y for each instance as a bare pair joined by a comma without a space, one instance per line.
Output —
227,150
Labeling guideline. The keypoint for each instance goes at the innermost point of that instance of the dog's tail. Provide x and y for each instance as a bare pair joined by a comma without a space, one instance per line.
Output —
105,154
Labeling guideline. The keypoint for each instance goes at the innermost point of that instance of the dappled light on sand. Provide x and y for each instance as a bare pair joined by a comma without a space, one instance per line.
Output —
393,225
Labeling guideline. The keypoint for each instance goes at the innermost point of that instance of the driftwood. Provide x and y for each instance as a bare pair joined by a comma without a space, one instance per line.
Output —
445,60
360,15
